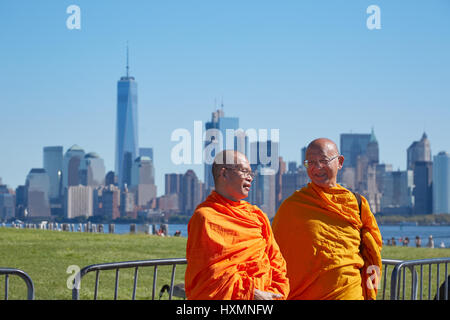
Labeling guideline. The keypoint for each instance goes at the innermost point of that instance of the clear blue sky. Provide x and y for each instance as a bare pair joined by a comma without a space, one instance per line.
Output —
307,68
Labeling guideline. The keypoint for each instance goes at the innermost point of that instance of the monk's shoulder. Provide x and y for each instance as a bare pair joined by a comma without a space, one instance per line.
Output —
204,212
300,196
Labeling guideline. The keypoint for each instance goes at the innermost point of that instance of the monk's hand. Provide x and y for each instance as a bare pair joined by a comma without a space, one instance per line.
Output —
264,295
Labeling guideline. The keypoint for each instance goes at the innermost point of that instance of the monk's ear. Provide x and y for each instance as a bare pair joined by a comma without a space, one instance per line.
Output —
341,161
223,172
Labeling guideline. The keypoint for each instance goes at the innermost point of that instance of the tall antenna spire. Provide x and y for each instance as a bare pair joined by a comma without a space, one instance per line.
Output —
128,67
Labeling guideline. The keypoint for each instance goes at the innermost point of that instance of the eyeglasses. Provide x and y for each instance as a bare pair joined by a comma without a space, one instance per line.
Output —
323,162
244,172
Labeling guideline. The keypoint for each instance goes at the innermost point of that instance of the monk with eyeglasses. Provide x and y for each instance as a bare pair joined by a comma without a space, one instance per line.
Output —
329,238
231,252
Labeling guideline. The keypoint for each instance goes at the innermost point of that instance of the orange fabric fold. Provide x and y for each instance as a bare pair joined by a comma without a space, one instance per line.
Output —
231,251
331,251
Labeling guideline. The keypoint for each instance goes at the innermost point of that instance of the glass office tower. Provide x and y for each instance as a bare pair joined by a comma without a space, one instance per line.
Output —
441,183
126,128
221,123
53,164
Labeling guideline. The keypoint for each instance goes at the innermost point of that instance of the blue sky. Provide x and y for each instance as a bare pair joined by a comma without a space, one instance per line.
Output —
307,68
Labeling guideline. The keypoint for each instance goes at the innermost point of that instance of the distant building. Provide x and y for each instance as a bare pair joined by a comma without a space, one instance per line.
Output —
143,181
53,164
110,178
279,181
79,202
441,183
353,145
127,203
294,180
303,155
418,151
262,191
107,201
191,192
173,183
147,152
264,185
7,203
37,193
126,127
21,202
361,157
92,170
423,180
71,166
221,124
397,193
169,203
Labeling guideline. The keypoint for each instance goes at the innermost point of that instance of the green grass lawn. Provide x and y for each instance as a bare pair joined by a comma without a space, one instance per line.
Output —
46,255
411,253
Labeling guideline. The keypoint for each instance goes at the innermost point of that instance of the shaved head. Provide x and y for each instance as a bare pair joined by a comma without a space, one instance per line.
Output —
324,162
231,170
323,144
225,157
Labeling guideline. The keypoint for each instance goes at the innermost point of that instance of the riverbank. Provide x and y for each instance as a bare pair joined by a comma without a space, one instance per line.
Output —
418,220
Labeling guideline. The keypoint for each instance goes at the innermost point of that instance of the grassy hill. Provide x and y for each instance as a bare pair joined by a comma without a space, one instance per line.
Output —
46,255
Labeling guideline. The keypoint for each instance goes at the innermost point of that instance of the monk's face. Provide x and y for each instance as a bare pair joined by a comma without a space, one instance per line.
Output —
236,183
325,162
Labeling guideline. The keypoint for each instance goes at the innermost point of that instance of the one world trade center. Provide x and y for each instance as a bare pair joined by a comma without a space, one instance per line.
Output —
126,128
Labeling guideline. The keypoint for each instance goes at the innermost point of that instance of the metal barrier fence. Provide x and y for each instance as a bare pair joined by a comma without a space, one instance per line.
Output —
117,266
388,265
395,283
17,272
430,268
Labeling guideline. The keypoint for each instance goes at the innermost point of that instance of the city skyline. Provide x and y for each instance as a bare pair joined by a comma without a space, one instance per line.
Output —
305,69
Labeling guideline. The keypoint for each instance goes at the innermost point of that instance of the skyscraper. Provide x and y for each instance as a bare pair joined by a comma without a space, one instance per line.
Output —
53,164
143,181
397,192
126,127
418,151
37,189
71,166
221,124
352,146
147,152
92,170
79,201
441,183
7,203
423,198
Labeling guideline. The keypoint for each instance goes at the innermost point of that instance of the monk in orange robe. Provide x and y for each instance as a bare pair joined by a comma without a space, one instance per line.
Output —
231,252
332,248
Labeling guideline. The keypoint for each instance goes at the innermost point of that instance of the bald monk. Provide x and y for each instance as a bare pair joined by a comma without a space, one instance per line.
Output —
231,253
332,251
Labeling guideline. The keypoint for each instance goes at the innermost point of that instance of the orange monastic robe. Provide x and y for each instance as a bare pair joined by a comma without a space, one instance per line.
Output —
231,251
319,232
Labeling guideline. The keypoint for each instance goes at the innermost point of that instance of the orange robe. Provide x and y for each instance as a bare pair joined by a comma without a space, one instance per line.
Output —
231,251
319,232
